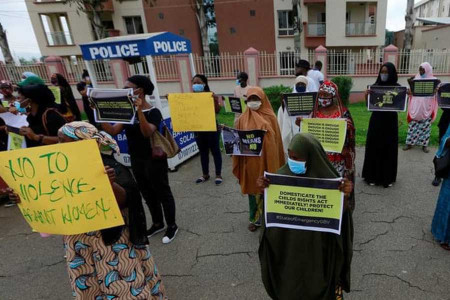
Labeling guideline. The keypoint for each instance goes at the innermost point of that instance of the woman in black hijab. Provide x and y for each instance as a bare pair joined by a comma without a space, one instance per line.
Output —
69,107
380,161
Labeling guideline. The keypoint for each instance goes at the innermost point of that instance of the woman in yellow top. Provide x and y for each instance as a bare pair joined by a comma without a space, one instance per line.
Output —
248,169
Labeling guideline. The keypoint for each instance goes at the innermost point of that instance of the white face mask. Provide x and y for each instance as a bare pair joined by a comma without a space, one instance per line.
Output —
254,105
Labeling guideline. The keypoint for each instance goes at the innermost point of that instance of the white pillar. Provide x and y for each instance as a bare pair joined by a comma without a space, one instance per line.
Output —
192,64
152,73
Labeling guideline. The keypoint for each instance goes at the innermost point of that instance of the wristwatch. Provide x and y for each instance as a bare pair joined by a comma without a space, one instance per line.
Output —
41,138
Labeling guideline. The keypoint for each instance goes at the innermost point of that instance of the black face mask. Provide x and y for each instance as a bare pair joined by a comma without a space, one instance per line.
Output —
54,81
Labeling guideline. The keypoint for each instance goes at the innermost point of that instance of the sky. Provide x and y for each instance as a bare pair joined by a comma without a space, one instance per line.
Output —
23,43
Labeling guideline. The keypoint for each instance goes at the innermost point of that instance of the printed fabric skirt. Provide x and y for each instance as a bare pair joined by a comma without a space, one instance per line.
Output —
419,133
441,220
256,208
119,271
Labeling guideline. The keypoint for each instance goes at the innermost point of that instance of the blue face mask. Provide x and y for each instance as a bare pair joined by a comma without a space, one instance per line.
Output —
19,109
297,167
238,82
198,87
423,75
300,89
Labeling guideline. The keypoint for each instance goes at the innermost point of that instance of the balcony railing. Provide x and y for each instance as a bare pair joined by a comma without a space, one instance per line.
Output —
317,29
360,29
59,38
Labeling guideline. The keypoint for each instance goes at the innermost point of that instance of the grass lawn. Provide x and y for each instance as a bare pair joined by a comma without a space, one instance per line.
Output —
361,118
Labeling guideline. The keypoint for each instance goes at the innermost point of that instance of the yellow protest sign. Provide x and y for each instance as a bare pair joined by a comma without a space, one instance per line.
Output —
56,92
303,203
63,187
330,132
16,141
192,112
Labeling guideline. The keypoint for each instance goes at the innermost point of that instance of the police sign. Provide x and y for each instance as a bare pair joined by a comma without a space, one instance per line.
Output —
163,43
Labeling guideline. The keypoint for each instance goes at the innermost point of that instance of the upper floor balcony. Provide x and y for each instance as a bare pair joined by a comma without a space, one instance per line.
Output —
59,38
361,29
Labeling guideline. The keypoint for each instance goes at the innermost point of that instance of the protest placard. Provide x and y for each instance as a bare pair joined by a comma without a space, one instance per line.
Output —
14,120
63,187
298,104
192,112
303,203
56,92
242,142
424,87
235,105
330,132
387,98
15,140
113,105
443,95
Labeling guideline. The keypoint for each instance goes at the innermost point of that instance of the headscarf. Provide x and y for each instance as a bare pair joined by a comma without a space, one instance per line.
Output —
331,88
307,263
86,131
421,108
31,80
302,79
29,74
393,77
317,163
248,168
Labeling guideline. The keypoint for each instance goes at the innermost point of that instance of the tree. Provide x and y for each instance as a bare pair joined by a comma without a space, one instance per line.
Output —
206,18
409,26
297,12
5,46
92,8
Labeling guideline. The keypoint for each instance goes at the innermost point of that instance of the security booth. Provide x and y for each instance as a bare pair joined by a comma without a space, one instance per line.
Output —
132,48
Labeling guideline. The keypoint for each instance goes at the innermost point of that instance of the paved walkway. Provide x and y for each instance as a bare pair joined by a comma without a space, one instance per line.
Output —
215,256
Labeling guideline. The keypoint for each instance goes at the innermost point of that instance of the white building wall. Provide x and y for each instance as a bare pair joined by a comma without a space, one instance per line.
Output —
283,43
130,8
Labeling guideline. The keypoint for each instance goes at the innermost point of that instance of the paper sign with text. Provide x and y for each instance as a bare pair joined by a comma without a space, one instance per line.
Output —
387,98
16,141
57,93
235,105
298,104
303,203
443,95
243,142
330,132
63,187
424,87
192,112
112,105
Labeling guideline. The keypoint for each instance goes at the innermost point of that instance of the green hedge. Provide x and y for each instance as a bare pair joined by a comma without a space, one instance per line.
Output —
274,93
345,85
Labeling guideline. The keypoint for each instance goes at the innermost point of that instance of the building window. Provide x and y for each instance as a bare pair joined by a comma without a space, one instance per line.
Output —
133,25
252,13
161,16
56,28
232,30
285,23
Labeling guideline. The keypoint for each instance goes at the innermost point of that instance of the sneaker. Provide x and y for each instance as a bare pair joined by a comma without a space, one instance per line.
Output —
154,230
10,203
171,232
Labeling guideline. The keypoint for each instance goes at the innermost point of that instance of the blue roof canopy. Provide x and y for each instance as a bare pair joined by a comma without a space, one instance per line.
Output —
159,43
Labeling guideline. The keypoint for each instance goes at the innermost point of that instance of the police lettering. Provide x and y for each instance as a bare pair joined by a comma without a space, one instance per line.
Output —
170,47
114,51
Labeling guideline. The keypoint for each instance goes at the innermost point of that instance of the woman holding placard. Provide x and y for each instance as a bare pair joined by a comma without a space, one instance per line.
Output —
301,264
381,156
330,106
247,169
422,111
208,141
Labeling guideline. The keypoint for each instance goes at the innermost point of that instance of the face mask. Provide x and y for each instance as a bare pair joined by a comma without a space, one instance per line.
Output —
254,105
325,102
384,77
300,89
198,87
423,75
54,81
297,167
238,82
19,108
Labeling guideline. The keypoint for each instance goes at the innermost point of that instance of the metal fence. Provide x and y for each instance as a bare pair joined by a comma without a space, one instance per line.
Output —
281,63
165,67
14,73
348,62
225,65
409,61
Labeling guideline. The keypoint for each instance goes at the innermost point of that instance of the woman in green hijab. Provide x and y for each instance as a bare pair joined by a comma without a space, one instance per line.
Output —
307,265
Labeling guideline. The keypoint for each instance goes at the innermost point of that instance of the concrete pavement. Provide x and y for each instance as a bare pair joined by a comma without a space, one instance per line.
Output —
215,257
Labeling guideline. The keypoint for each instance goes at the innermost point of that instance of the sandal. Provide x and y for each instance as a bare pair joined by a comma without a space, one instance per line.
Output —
218,181
445,247
252,227
202,179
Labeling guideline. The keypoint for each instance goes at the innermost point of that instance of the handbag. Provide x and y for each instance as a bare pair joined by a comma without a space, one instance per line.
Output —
163,144
442,165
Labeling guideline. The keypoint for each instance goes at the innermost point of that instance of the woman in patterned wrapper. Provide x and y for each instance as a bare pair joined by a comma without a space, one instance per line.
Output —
113,263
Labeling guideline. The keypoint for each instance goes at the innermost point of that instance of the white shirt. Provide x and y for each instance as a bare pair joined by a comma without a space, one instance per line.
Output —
317,76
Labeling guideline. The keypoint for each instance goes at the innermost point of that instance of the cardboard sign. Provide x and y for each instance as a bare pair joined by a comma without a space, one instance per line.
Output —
192,112
387,98
16,141
298,104
235,105
330,132
57,93
113,105
303,203
63,187
243,143
424,87
443,95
